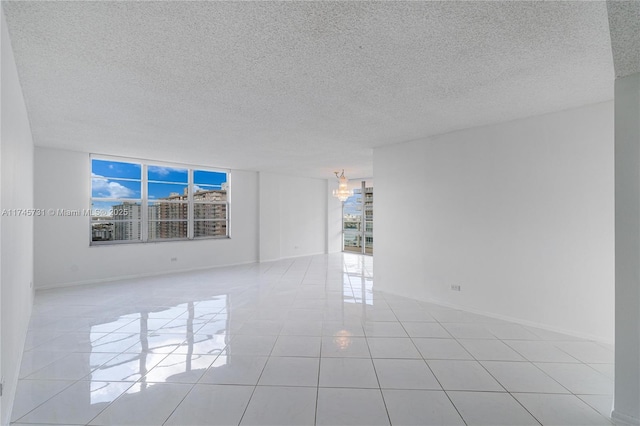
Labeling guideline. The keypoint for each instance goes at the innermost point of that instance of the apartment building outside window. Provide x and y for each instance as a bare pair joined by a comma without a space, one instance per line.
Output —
140,201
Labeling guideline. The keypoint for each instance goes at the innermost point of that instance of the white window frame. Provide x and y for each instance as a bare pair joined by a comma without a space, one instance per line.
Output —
144,200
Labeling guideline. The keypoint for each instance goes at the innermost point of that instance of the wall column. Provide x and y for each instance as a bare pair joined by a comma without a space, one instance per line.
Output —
624,26
627,192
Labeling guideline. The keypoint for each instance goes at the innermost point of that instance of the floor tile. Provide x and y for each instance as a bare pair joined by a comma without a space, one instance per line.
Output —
425,329
74,366
384,329
116,342
251,345
420,408
339,328
32,393
128,367
290,371
578,378
261,328
212,405
392,347
512,332
351,407
202,344
345,346
380,315
587,352
540,351
603,404
523,377
179,368
305,341
441,349
302,328
607,369
159,400
33,361
490,350
347,372
77,404
491,409
405,374
412,315
297,346
469,331
564,410
277,405
235,370
157,343
463,375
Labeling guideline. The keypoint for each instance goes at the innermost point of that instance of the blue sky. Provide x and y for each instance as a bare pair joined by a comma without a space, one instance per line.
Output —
114,179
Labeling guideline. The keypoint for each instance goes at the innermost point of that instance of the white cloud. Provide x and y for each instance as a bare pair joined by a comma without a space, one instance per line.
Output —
164,171
102,187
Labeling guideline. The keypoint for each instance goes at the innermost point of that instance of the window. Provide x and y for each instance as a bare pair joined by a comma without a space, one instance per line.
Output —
357,221
136,201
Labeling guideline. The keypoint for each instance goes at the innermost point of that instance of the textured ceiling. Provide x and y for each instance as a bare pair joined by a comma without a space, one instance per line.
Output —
301,88
624,27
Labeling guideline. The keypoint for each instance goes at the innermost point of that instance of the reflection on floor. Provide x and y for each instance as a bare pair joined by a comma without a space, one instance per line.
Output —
303,341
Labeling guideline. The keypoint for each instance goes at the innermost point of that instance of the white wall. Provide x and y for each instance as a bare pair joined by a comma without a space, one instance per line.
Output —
293,216
519,214
63,255
16,249
334,219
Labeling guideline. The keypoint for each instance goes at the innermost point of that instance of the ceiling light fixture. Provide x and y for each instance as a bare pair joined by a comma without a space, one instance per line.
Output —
343,192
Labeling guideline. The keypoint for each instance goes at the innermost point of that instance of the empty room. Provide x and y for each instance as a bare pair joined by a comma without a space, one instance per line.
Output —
320,213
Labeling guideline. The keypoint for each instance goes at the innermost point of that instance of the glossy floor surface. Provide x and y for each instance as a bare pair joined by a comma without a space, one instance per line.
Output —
295,342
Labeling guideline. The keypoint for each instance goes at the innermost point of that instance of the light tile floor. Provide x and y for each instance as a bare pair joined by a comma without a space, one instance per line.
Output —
304,341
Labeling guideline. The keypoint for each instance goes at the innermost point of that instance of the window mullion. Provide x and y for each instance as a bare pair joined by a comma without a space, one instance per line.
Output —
190,206
144,209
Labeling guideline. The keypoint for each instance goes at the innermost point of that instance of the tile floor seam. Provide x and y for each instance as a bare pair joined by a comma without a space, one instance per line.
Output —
193,385
375,371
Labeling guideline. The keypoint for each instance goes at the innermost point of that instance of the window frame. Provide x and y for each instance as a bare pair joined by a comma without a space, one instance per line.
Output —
145,201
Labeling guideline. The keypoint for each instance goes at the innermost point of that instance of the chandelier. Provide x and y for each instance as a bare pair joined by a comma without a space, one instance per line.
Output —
342,193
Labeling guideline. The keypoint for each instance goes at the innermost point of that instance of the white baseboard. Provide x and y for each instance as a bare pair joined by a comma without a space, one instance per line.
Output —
135,276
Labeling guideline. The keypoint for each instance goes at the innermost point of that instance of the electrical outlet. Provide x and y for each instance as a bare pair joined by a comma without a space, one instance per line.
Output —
174,259
455,287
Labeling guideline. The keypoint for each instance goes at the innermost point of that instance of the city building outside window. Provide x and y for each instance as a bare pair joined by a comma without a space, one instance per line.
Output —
139,201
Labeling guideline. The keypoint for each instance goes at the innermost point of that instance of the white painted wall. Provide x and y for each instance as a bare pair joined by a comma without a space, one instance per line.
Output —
293,216
16,248
334,219
519,214
63,255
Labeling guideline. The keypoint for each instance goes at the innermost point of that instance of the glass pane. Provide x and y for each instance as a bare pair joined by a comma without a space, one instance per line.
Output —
210,211
167,191
209,228
118,210
115,169
102,187
167,230
352,222
167,174
213,179
105,230
159,210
